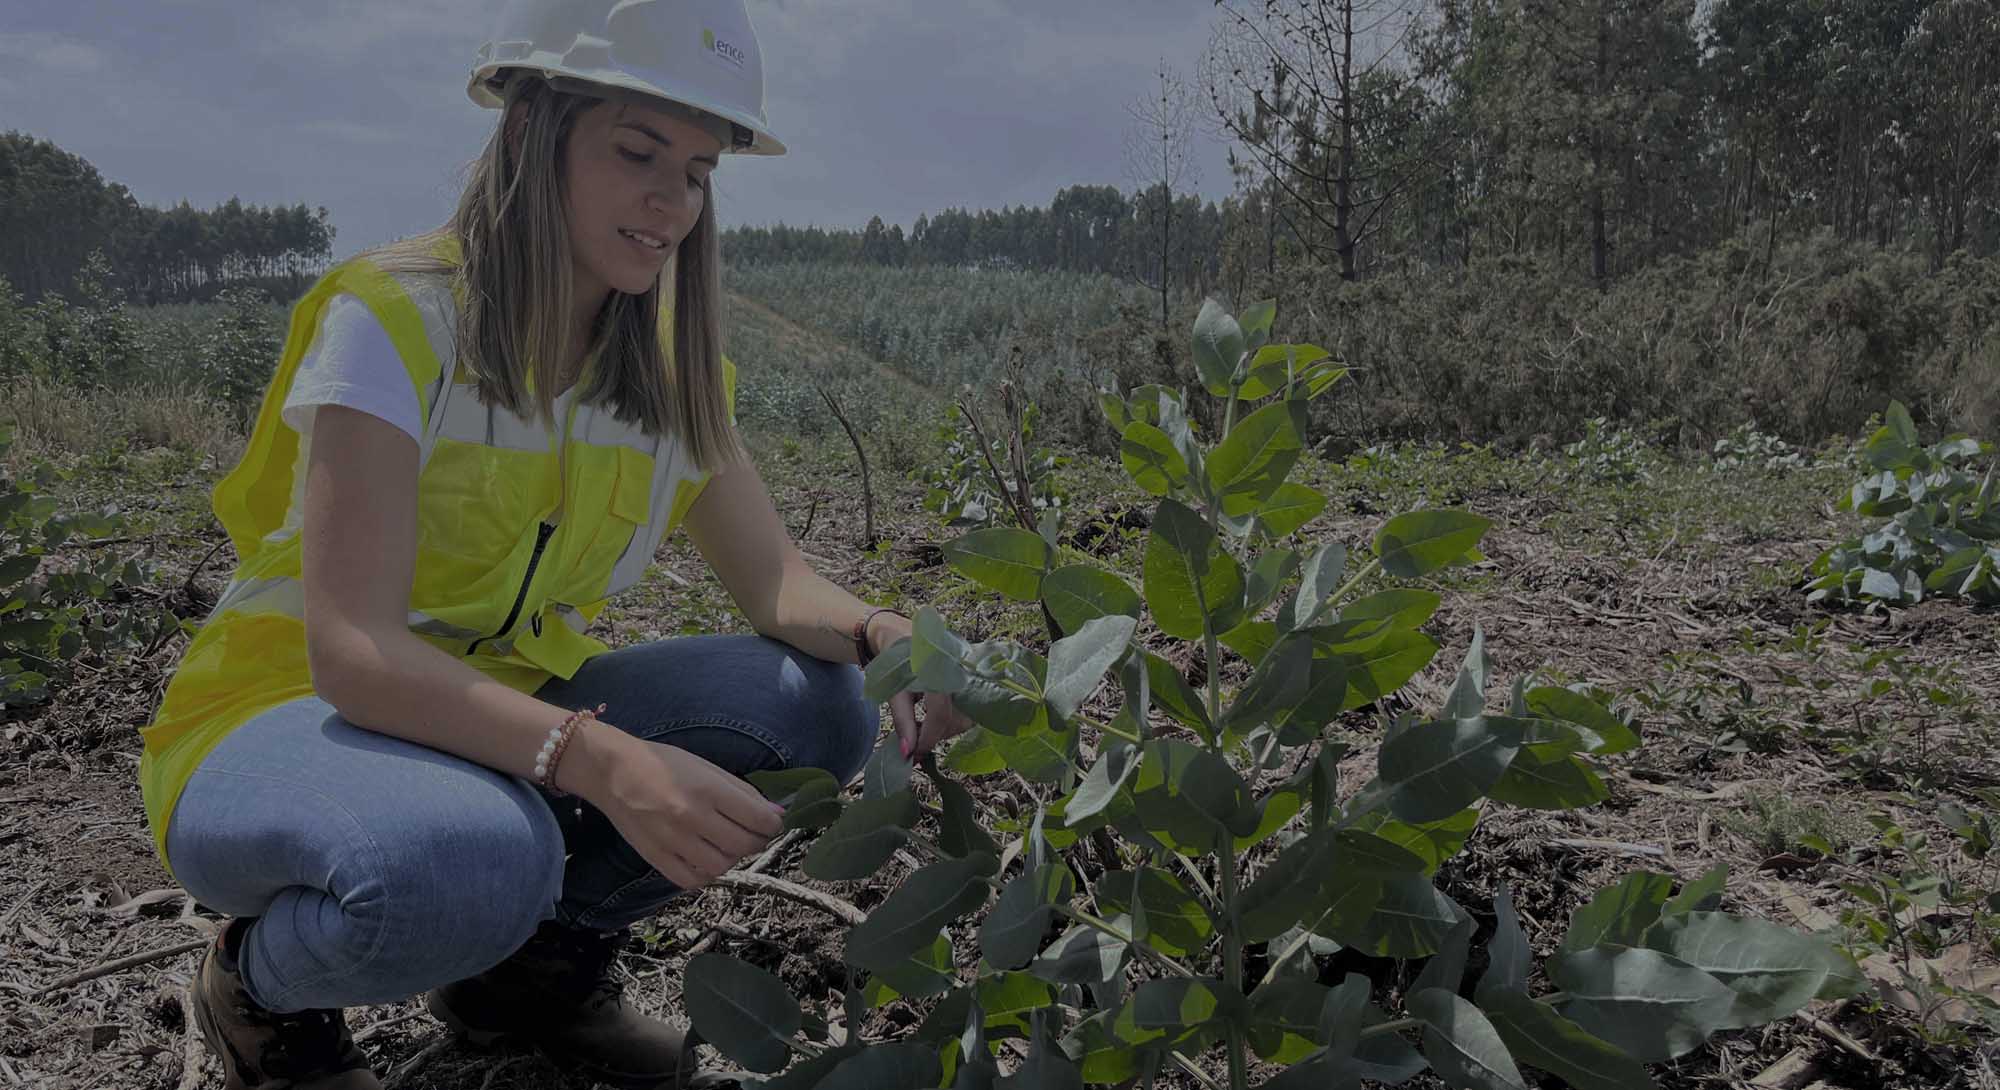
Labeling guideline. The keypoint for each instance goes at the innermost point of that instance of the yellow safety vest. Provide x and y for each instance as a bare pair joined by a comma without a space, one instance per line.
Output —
502,579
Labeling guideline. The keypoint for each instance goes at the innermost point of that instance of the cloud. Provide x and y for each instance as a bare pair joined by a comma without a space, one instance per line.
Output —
52,52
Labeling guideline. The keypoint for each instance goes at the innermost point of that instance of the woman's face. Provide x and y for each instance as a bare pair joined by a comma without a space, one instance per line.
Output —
634,177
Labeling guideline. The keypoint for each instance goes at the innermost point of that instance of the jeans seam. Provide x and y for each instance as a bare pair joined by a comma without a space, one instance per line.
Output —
770,739
381,936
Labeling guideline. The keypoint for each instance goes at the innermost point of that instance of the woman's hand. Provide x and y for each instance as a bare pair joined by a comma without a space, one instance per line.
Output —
688,818
941,720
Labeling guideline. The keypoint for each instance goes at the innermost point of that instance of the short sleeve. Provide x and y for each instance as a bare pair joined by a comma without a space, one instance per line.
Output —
352,362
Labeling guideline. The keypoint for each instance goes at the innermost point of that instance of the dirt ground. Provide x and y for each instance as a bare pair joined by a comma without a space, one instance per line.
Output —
1760,723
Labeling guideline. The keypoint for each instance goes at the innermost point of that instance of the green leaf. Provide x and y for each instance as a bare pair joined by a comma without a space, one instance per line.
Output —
886,773
910,919
1619,915
1277,685
1175,696
1540,1037
1191,798
1114,409
1078,593
1258,454
1604,732
1006,998
1549,778
1421,542
936,653
742,1010
1103,783
1255,323
1013,931
1508,956
1001,558
1251,639
1651,1006
1152,459
1046,1067
1398,608
810,796
1268,576
1290,506
1774,971
1436,769
1003,708
1268,368
1176,924
959,830
1161,1013
1218,347
974,754
1382,665
1102,1057
865,835
1318,580
810,1070
1704,894
1078,662
1432,841
1083,955
1192,584
902,1065
1041,753
1412,919
926,973
1462,1045
1284,1019
889,673
1446,968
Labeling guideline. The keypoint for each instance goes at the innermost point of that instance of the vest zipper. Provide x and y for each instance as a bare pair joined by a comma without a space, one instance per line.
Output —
542,535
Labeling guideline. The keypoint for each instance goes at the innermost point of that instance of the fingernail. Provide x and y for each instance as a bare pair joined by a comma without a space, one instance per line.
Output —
904,745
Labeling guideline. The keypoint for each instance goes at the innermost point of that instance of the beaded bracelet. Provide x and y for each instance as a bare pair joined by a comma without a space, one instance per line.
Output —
552,750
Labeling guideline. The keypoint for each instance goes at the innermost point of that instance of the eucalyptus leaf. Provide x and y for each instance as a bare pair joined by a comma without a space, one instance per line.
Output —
1077,593
1001,558
1650,1005
1077,662
1290,506
1218,347
810,796
1192,584
1175,924
1541,1037
910,919
1774,971
865,835
1619,914
1414,545
1508,956
1462,1044
1249,465
742,1010
1082,955
1012,932
1436,769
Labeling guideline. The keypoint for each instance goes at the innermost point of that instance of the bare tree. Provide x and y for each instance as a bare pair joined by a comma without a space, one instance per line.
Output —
1289,80
1159,160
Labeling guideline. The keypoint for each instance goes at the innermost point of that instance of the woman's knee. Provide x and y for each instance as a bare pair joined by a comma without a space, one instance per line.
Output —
840,724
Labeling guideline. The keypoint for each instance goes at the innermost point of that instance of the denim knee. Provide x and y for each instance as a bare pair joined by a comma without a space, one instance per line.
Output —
843,723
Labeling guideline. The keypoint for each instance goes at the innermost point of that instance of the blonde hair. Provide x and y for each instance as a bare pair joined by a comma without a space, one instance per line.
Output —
512,274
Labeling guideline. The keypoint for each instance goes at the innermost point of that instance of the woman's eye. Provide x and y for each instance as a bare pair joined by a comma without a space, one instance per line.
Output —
635,157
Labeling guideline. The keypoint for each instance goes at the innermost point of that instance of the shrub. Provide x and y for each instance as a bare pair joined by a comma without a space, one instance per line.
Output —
1174,803
1942,534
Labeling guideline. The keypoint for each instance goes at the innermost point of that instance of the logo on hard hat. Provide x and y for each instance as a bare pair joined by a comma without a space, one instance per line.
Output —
733,54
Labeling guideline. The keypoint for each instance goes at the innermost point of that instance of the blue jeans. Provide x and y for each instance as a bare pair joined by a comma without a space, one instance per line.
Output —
378,868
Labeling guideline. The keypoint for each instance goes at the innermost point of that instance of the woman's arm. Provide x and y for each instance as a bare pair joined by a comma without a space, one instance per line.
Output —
687,817
735,525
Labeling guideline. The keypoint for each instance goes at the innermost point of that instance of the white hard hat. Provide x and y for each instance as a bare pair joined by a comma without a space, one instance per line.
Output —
699,53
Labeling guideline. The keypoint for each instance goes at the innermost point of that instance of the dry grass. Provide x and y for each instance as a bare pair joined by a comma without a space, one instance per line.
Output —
54,418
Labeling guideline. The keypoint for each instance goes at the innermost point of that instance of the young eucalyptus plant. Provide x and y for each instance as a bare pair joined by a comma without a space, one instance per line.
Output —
1121,939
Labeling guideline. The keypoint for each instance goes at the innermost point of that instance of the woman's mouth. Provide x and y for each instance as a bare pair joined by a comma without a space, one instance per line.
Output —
652,242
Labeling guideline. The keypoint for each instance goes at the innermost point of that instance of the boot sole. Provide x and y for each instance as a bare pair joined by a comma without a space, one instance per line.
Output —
487,1038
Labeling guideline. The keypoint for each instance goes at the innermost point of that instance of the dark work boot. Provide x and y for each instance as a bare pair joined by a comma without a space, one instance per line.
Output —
558,994
260,1050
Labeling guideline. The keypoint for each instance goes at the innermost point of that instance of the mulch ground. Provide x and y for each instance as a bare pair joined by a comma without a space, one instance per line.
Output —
1744,748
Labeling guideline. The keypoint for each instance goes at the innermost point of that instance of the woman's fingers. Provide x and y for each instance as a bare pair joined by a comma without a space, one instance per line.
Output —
903,712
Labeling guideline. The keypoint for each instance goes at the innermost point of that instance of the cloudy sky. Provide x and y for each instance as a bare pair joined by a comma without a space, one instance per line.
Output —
889,107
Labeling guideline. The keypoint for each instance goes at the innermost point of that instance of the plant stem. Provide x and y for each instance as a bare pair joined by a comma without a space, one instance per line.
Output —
1232,961
1099,924
1229,413
1366,571
1391,1027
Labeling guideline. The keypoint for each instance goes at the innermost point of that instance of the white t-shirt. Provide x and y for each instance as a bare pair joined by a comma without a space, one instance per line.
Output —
352,362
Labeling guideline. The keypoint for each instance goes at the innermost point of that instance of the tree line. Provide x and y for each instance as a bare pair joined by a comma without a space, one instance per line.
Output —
56,209
1593,136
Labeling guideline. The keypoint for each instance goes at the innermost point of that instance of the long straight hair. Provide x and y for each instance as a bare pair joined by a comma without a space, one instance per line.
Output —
512,274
